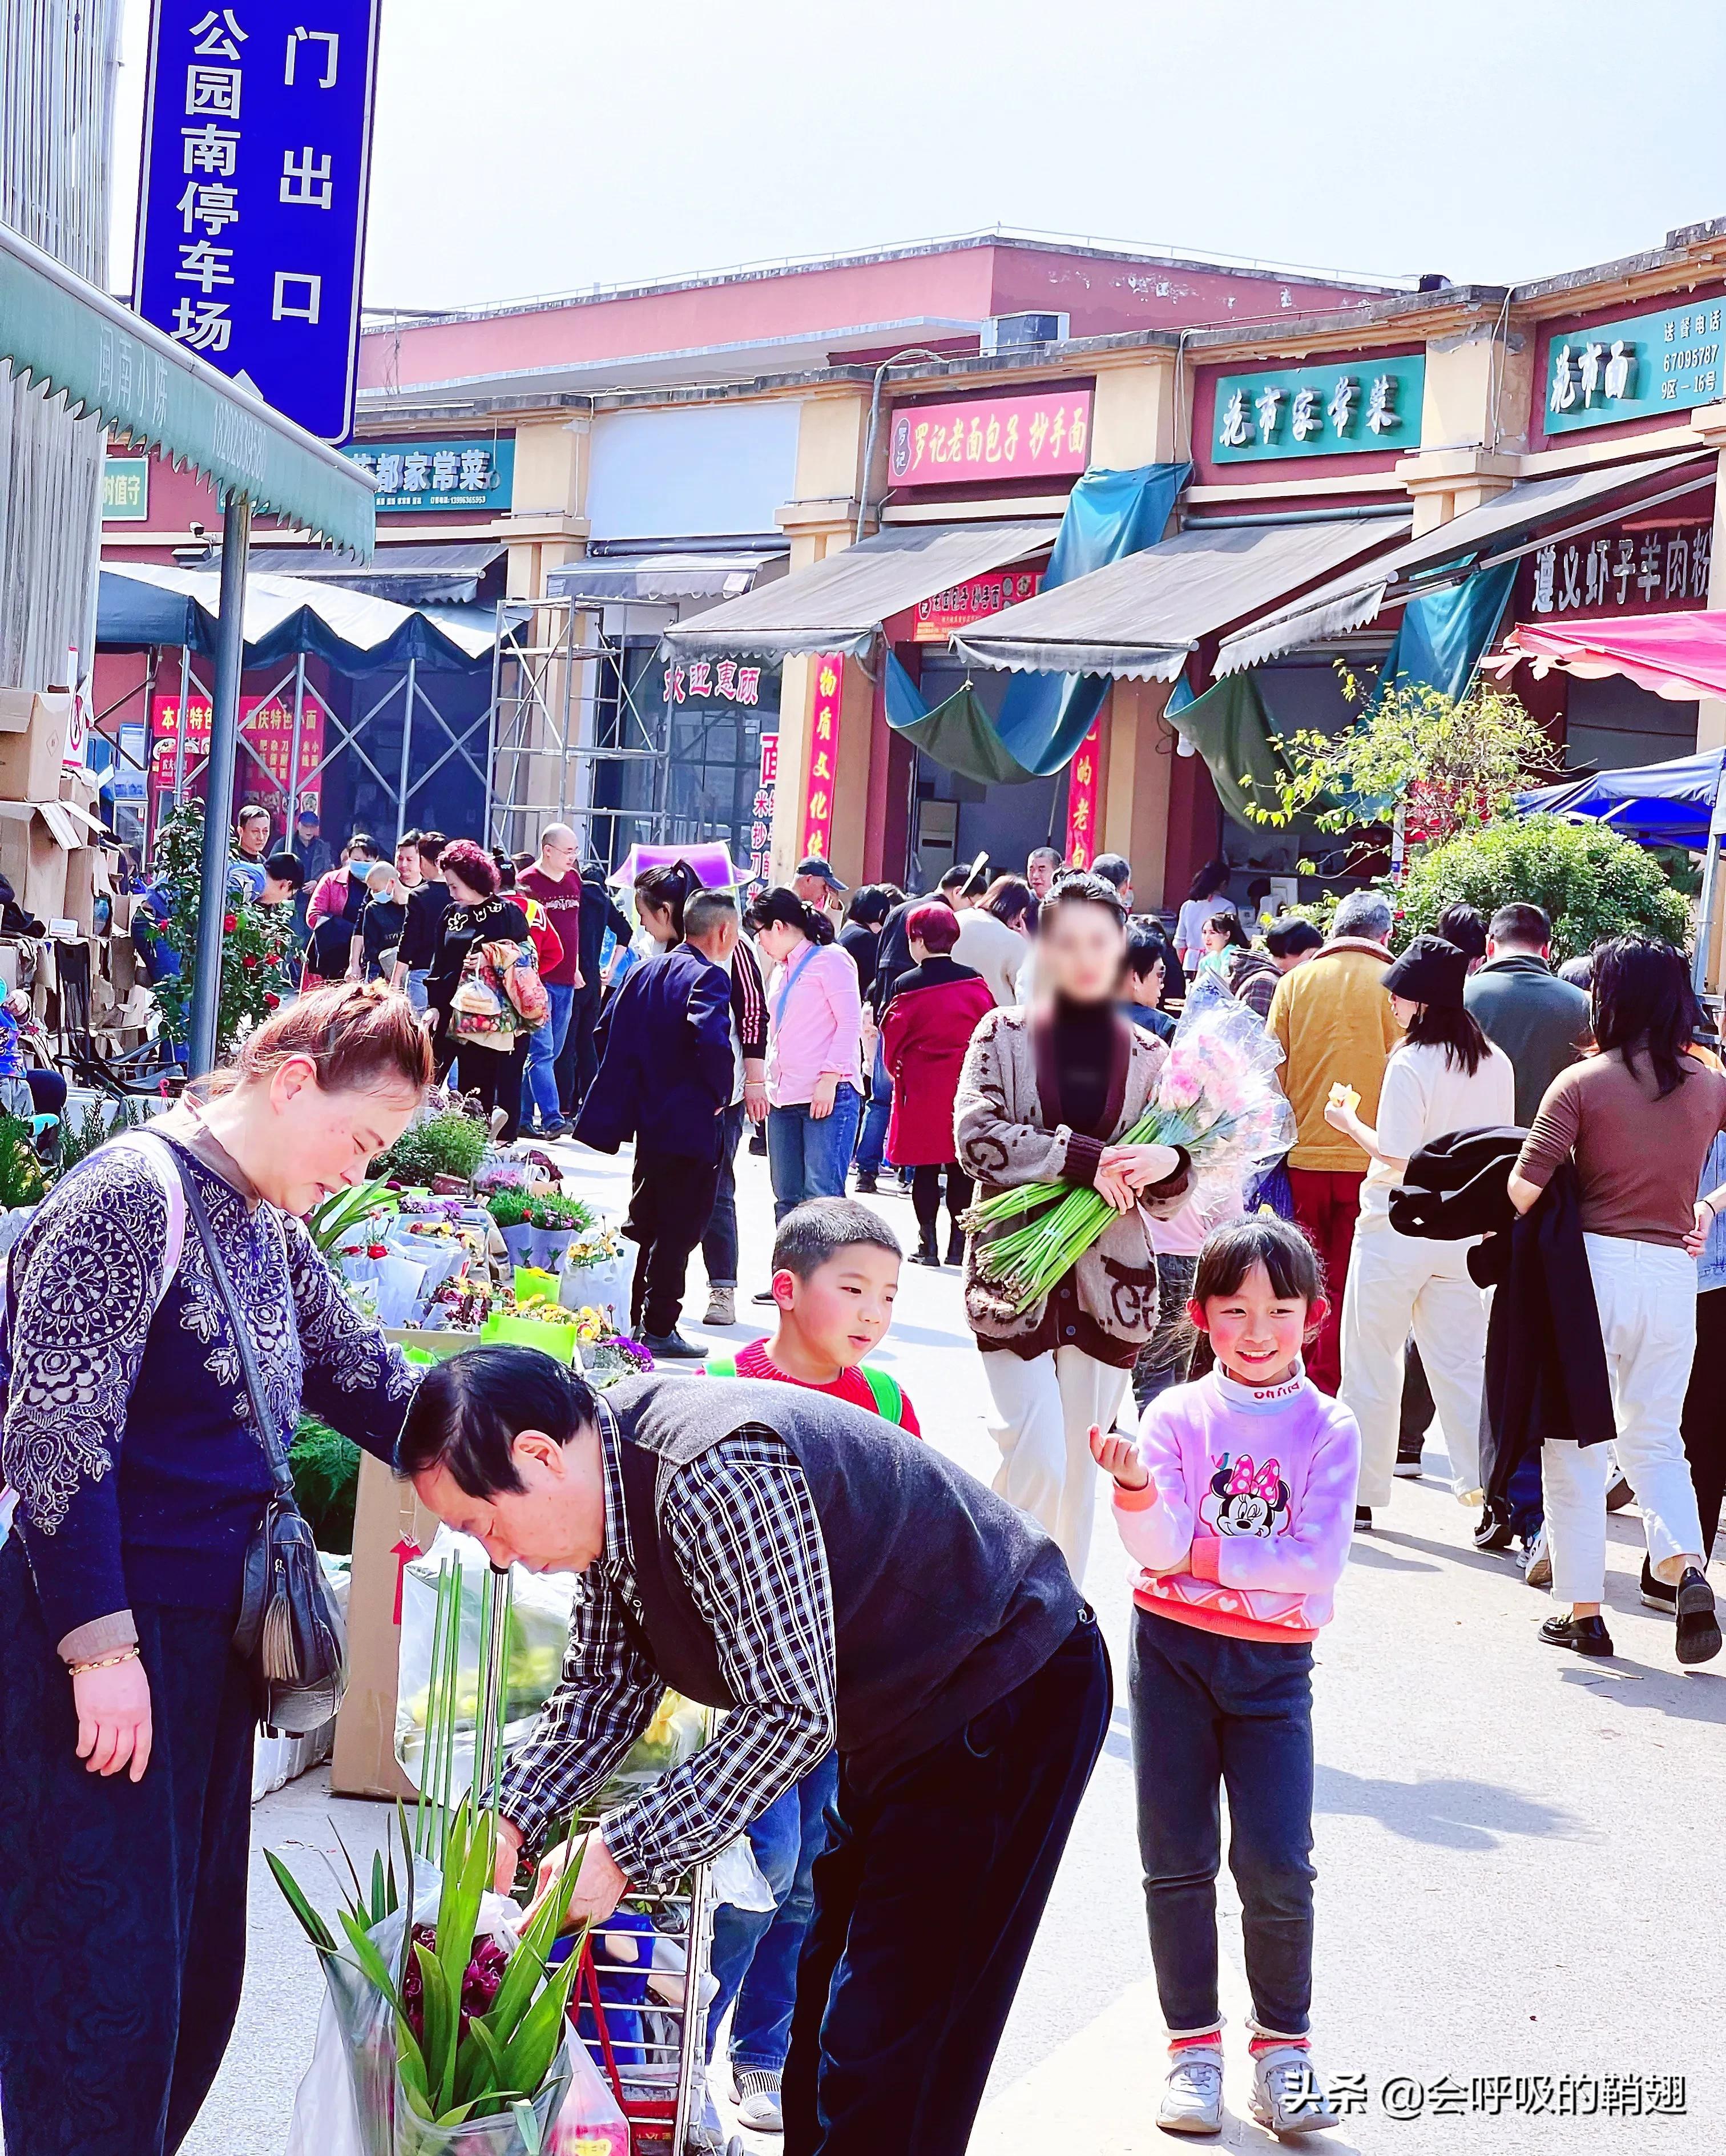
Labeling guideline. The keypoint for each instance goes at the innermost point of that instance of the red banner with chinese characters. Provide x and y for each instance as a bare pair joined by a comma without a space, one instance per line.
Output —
1037,436
824,753
761,828
1082,791
266,745
1653,564
961,604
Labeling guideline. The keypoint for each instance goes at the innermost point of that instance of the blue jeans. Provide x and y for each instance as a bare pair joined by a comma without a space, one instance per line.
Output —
539,1081
1210,1712
755,1951
719,1245
807,1155
872,1146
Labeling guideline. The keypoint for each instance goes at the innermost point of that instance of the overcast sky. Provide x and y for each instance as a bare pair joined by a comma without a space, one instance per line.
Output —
537,146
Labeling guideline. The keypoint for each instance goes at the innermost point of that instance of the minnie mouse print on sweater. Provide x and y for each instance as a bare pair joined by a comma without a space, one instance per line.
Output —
1250,1499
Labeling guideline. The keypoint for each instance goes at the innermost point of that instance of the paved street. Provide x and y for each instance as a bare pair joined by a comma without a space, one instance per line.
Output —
1511,1846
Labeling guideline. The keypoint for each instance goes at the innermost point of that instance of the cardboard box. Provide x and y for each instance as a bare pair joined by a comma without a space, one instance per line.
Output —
386,1515
32,759
35,839
80,788
120,966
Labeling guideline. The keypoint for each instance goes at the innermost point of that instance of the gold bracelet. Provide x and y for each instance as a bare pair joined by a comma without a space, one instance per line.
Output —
103,1662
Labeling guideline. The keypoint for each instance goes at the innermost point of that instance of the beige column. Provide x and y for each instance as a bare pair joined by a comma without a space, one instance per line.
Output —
1133,413
1140,747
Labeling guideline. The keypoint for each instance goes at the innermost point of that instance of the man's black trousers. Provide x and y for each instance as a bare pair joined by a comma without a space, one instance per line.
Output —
670,1201
926,1903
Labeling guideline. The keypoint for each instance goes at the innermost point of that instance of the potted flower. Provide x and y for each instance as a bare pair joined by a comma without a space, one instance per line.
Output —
511,1218
555,1220
596,1270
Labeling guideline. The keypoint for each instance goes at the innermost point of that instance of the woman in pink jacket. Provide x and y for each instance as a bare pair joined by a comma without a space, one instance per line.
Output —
1237,1502
814,1035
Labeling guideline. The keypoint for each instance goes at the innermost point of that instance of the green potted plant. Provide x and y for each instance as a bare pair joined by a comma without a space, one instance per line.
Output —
440,1152
554,1219
511,1215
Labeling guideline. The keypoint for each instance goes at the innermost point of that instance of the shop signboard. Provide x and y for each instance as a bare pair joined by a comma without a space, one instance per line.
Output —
761,828
125,490
476,472
1042,434
1636,368
728,680
266,734
1331,408
828,671
252,206
1082,793
961,604
1652,564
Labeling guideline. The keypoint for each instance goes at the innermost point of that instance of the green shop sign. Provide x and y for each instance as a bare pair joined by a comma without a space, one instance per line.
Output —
1634,369
1319,410
125,490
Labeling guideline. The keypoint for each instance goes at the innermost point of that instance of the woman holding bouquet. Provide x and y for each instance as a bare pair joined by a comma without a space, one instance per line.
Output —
126,1715
1046,1096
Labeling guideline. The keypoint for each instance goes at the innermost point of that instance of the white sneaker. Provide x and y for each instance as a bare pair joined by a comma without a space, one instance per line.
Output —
1193,2092
1537,1561
721,1306
1288,2095
758,2102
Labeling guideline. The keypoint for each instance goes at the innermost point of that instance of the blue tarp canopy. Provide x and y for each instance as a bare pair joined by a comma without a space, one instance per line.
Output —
352,632
1657,804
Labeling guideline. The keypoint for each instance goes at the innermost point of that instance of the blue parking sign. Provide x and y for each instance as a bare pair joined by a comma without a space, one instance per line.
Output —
252,210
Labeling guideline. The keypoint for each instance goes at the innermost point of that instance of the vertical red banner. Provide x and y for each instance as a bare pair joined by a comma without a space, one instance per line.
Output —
824,752
1081,799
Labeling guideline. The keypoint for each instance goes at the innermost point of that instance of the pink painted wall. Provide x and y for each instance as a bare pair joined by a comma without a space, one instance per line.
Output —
966,282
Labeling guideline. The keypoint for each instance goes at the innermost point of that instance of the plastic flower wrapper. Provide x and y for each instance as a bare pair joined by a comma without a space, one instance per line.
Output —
1217,1097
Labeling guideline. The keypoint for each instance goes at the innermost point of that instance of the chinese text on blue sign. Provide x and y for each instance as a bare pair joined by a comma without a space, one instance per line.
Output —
469,473
1320,411
252,213
1635,367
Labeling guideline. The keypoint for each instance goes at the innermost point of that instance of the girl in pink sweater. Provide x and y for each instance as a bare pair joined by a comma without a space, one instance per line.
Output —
1237,1502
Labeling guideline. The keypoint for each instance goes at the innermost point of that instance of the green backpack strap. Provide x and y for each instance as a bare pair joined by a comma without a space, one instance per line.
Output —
721,1366
889,1399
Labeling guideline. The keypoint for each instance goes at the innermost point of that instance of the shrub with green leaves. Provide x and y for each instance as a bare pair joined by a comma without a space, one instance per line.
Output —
326,1480
1591,883
447,1144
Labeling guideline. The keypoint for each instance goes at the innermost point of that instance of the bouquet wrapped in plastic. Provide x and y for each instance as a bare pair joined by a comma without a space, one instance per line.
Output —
1218,1098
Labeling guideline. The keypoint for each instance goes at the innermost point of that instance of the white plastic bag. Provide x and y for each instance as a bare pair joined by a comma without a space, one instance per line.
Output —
325,2122
590,2122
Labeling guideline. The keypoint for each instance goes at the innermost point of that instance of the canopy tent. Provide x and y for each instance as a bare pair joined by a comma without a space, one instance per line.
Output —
144,603
1142,617
69,337
661,579
1679,656
710,859
446,575
957,734
1657,804
840,604
1448,555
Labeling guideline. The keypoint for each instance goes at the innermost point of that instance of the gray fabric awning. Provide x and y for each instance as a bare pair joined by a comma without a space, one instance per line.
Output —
411,576
662,578
841,603
1476,536
1142,616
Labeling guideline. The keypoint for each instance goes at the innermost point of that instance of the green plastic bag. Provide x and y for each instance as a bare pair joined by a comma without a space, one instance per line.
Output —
557,1340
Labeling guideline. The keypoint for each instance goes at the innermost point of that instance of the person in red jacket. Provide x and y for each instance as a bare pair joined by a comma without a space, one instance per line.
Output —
927,1028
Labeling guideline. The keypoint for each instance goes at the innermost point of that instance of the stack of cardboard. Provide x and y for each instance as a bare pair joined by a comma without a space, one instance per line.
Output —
38,832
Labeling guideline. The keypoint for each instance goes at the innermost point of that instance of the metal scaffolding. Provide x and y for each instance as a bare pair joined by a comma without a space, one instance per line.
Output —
568,726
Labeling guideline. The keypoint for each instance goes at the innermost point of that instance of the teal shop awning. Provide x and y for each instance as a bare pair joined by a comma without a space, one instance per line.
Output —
1444,632
840,604
64,336
957,734
1450,553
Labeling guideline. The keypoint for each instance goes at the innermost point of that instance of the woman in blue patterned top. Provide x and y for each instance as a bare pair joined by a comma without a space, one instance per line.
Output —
126,1719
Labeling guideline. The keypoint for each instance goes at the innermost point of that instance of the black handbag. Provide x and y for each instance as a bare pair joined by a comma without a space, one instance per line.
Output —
289,1630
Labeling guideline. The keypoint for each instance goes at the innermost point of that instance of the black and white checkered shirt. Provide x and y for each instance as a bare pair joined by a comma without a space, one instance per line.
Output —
740,1526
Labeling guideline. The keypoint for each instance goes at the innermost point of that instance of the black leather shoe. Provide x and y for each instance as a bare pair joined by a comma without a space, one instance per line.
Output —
1363,1518
1492,1531
866,1186
926,1253
1698,1628
1657,1594
955,1249
1582,1635
672,1348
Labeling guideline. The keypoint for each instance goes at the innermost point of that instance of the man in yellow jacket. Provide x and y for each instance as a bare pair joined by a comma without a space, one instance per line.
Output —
1333,1018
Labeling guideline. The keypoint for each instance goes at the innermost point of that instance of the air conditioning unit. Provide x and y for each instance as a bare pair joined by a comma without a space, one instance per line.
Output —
1013,332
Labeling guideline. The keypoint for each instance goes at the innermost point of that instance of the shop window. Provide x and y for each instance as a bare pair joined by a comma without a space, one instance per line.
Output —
1613,725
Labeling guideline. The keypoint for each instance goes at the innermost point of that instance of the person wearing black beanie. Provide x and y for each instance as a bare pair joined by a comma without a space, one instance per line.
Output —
1445,1075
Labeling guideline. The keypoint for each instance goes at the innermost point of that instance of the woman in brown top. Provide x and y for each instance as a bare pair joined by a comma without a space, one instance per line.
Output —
1638,1119
1045,1095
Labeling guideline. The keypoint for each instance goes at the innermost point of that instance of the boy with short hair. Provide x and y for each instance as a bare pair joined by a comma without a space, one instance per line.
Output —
835,1274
